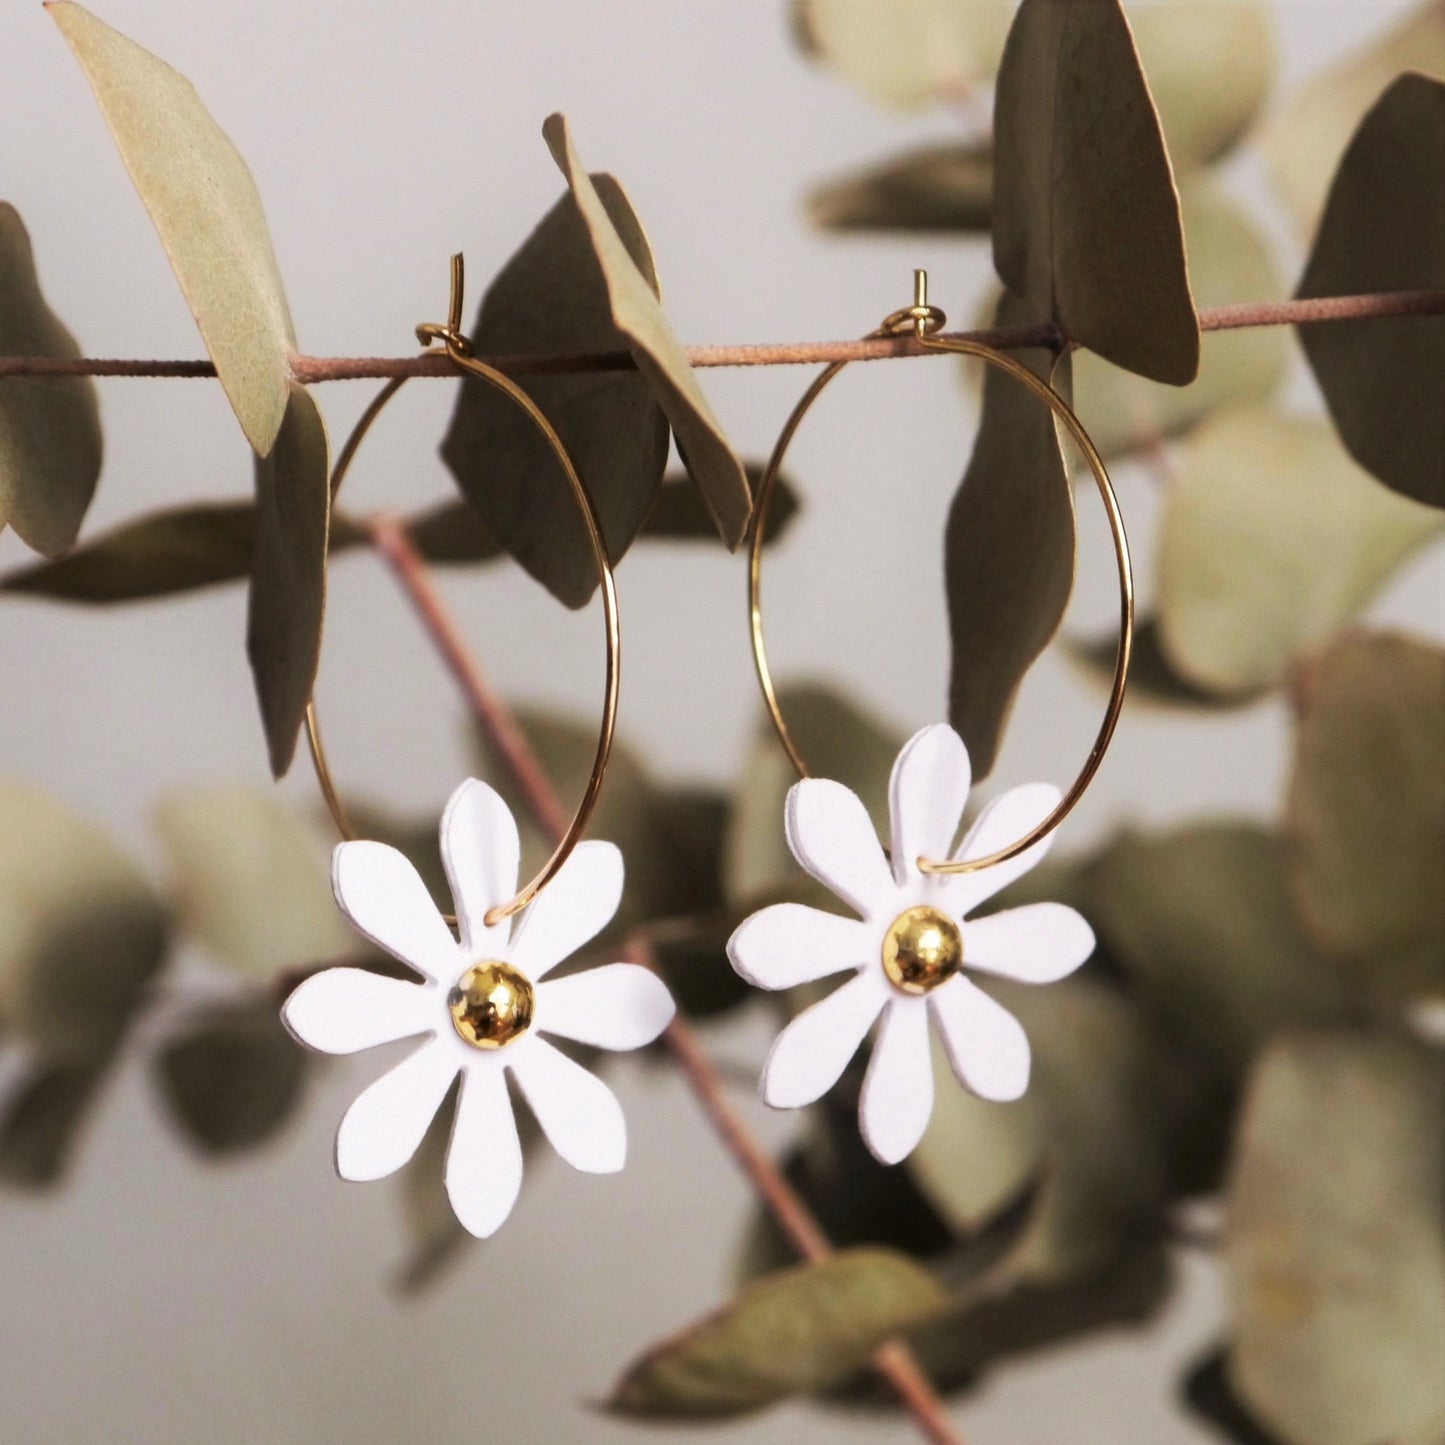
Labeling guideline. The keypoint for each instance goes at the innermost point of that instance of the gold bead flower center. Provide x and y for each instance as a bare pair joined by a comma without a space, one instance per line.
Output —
492,1004
922,949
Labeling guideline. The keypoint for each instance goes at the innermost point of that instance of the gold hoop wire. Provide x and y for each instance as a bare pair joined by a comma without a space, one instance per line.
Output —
921,321
459,351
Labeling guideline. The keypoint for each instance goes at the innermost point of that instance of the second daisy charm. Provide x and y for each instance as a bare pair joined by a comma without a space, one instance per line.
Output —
909,950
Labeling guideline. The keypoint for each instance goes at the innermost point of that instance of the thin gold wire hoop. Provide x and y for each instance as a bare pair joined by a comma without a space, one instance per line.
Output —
922,321
459,351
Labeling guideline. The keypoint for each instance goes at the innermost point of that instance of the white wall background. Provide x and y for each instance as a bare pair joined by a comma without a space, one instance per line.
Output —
157,1300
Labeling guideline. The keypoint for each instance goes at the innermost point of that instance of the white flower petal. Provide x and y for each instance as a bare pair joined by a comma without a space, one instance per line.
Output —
384,897
1040,943
809,1055
832,837
578,1113
341,1010
484,1157
898,1087
617,1006
385,1123
985,1043
1005,820
926,798
789,943
481,852
571,910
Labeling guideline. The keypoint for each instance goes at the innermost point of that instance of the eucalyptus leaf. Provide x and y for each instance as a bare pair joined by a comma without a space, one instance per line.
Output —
1009,549
787,1334
251,880
637,313
232,1078
907,51
41,1119
552,295
1209,1395
288,574
1335,1251
1271,540
50,443
82,935
1086,215
1384,230
1365,812
1152,677
1307,138
204,204
938,188
1229,262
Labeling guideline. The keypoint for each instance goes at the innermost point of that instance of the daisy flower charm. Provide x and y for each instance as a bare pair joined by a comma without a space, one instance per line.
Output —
910,949
481,1007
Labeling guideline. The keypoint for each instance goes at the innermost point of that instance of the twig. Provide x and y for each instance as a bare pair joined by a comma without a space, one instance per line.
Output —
893,1360
799,353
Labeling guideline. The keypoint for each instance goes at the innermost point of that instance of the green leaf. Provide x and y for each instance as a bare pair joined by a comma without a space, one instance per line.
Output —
908,51
162,554
1152,677
49,426
1307,138
1009,550
205,207
1228,262
552,295
251,880
288,574
1201,920
81,933
1086,216
1210,67
938,188
1365,813
790,1333
232,1078
1271,540
637,313
1384,230
1335,1251
41,1120
1208,1394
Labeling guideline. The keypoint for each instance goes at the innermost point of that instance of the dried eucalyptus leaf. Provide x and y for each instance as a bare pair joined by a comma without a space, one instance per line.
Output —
1210,67
162,554
41,1119
204,204
1365,812
937,188
81,932
1335,1251
1086,215
288,574
1229,262
1208,1394
1384,230
637,313
908,51
232,1078
791,1333
49,426
552,294
1307,138
1271,540
1152,677
251,880
1009,549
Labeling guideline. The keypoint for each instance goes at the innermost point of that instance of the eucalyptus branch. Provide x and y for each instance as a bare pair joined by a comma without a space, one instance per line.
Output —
307,369
893,1361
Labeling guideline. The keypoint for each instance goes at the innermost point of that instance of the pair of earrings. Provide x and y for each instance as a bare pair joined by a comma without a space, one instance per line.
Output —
483,1003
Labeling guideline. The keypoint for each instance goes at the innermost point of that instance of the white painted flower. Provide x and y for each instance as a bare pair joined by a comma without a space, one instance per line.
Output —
910,950
482,1006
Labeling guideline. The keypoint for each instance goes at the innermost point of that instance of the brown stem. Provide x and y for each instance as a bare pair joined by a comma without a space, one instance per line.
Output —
801,353
893,1360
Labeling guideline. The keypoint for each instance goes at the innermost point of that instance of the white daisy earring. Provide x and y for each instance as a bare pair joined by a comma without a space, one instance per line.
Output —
482,1004
911,947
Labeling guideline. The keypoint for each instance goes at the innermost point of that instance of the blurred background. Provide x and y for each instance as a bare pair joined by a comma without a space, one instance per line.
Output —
157,1298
